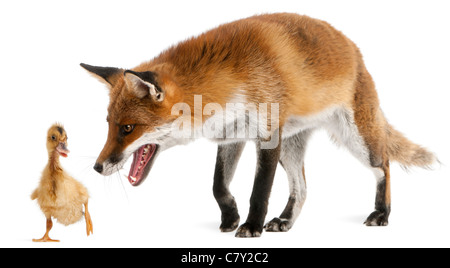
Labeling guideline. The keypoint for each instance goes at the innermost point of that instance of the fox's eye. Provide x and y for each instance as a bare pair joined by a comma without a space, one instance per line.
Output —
127,129
53,137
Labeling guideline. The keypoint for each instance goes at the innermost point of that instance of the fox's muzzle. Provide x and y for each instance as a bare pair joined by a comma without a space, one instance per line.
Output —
98,167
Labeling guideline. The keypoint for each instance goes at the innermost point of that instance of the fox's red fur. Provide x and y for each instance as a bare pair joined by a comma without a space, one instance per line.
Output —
303,64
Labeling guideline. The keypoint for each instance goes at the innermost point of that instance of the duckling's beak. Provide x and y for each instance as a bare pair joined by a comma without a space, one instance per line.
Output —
62,149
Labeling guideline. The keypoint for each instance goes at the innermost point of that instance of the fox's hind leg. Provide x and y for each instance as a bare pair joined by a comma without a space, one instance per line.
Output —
372,125
368,147
292,160
382,200
227,158
362,130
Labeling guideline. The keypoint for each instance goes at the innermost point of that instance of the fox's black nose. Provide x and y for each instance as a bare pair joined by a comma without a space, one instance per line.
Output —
98,167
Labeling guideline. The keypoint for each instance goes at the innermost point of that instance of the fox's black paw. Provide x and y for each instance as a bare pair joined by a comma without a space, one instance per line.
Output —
377,218
229,224
249,230
278,225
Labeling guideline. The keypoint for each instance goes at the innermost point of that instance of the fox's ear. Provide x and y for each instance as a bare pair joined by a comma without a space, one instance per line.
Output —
143,84
108,75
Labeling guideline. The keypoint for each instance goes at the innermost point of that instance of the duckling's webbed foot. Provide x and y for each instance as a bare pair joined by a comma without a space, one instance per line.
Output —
46,238
87,217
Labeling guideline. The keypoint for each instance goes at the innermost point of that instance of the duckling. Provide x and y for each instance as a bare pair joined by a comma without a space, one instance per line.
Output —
59,195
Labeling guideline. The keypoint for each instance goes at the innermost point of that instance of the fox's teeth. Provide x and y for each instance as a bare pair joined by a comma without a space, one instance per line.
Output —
133,179
145,150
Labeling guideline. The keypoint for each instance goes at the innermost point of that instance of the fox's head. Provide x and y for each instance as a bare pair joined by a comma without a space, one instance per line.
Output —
139,119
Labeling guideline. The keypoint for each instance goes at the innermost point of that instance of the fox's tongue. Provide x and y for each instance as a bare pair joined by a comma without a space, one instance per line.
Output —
141,158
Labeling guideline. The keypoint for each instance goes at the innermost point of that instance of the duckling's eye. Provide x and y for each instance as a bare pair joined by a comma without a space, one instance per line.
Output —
127,129
53,137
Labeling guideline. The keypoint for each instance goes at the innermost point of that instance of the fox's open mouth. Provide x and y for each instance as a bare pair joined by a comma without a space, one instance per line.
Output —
142,161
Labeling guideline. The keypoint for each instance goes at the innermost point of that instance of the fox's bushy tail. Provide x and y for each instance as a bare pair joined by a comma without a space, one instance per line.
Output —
407,153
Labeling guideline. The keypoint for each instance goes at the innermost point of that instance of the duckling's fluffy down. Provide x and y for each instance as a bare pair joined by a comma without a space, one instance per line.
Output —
63,199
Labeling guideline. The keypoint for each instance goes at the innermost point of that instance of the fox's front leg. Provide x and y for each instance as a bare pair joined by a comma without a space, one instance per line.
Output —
227,158
266,166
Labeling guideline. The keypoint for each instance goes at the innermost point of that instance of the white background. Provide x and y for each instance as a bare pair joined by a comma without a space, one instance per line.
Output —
406,49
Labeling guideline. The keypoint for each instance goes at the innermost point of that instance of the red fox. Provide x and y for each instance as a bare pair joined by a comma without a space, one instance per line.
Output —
306,73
